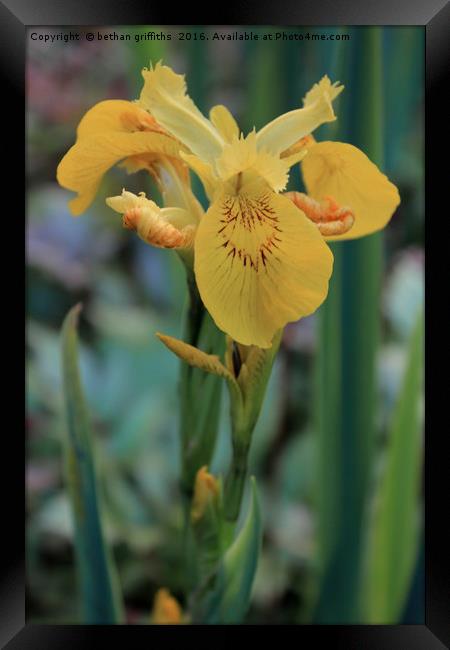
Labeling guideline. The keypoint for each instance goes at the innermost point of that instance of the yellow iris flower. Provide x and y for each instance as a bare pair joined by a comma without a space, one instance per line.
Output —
259,262
261,258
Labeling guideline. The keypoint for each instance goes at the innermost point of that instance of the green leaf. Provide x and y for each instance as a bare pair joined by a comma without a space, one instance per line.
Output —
101,602
394,535
230,598
349,338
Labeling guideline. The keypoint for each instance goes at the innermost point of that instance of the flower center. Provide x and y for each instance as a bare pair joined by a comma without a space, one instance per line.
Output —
250,230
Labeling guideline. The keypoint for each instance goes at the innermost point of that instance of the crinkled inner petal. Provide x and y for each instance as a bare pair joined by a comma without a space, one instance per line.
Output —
259,264
344,172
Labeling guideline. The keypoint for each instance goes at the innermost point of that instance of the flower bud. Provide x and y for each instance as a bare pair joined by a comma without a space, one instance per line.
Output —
166,609
206,492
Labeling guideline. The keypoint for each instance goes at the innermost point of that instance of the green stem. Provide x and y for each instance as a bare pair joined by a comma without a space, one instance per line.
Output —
244,416
195,311
200,396
235,483
193,319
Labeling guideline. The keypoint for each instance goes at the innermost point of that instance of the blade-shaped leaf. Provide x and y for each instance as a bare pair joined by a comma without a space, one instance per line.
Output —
394,536
349,338
101,603
230,598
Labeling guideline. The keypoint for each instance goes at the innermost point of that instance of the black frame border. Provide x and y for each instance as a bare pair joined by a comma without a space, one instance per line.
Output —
434,15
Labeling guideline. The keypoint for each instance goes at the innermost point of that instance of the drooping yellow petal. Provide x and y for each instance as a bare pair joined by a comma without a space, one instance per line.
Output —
161,227
259,264
224,122
345,173
164,96
109,132
115,115
285,130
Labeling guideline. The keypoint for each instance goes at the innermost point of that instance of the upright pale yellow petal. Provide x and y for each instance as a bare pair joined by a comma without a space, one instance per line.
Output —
285,130
259,264
346,174
164,96
224,122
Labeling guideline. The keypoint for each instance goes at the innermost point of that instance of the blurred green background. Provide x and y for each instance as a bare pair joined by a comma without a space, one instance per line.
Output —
130,290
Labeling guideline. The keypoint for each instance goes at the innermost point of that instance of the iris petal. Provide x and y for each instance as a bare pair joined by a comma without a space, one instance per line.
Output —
109,132
285,130
259,264
164,95
344,172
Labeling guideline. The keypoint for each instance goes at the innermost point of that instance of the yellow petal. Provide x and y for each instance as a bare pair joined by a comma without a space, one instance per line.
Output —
116,115
259,264
324,90
224,122
164,96
84,165
195,357
241,155
346,174
204,171
285,130
161,227
166,609
237,156
175,186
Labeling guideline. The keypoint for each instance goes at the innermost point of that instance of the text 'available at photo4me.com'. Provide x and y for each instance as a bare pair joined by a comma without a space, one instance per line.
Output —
210,35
